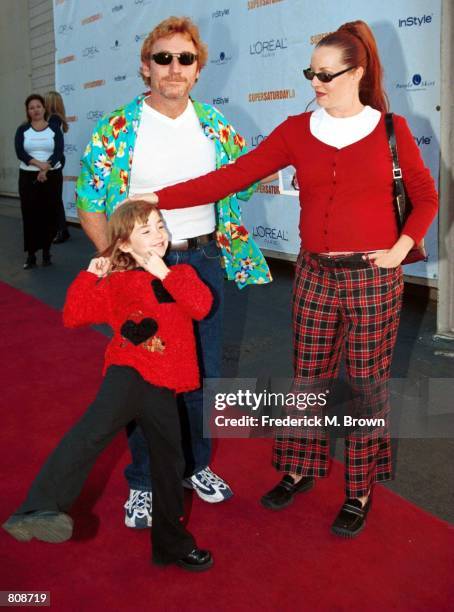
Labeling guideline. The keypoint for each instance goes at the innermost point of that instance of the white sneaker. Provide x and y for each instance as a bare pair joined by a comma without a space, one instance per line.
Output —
138,509
208,486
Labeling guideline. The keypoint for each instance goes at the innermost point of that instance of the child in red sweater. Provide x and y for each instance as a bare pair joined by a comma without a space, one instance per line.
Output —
151,356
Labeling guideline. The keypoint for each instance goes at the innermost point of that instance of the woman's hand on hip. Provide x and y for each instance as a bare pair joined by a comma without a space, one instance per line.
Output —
385,259
393,257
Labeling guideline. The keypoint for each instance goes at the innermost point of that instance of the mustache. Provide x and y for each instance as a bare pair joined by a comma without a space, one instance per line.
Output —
174,79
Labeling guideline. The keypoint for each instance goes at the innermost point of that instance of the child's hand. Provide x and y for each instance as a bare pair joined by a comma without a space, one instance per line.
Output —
153,263
99,266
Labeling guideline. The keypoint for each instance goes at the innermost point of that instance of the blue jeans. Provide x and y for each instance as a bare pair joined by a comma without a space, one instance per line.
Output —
197,449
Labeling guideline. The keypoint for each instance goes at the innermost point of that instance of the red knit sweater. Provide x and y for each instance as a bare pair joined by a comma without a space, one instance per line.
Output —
152,321
346,195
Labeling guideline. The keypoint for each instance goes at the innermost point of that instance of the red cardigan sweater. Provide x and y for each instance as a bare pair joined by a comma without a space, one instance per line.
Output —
152,321
346,195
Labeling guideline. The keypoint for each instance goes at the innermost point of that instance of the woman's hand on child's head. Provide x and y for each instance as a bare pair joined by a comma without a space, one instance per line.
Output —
152,198
152,263
99,266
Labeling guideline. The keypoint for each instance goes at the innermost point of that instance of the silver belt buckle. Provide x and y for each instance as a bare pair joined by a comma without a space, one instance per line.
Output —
183,245
179,245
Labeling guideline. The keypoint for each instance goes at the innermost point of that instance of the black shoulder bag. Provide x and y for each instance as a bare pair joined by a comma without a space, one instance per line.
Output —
402,204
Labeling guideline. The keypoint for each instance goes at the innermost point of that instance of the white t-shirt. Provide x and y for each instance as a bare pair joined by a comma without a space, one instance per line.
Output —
168,151
340,132
40,145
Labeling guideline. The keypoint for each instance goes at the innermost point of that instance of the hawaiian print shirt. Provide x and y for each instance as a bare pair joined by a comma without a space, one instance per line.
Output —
106,167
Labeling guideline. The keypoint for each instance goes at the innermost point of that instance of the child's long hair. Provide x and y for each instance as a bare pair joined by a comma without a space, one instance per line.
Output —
119,229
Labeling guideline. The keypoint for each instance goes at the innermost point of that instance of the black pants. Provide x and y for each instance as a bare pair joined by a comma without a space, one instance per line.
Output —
62,226
123,396
39,206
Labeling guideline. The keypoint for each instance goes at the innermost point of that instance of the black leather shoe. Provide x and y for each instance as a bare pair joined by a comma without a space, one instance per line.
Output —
30,262
62,237
197,561
351,519
47,261
282,495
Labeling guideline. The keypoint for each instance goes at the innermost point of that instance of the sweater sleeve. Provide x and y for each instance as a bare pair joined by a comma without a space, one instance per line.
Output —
418,182
21,153
271,155
189,291
57,154
86,301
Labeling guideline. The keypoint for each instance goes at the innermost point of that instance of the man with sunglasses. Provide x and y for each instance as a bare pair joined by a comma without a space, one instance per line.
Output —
159,139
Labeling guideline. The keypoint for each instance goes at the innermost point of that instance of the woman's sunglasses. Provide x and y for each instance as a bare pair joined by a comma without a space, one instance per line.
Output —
324,77
164,58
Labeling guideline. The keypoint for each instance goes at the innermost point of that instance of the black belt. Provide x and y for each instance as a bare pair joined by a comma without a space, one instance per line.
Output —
353,261
192,243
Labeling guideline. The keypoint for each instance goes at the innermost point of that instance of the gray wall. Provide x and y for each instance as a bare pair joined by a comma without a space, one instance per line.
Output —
27,52
445,315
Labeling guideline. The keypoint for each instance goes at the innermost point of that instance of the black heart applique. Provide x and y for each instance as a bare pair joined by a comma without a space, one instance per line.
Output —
161,293
139,332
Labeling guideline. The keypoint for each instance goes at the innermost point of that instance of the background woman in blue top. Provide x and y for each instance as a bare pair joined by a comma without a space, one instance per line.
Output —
39,147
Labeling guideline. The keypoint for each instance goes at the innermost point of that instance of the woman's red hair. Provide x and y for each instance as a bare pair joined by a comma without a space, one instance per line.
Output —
358,47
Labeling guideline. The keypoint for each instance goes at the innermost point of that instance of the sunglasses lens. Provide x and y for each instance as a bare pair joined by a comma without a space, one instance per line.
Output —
186,58
324,77
163,59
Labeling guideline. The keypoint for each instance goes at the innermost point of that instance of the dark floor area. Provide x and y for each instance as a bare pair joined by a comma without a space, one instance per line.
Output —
257,342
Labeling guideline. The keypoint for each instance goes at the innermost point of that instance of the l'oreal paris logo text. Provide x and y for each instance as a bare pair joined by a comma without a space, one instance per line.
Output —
270,233
266,47
256,140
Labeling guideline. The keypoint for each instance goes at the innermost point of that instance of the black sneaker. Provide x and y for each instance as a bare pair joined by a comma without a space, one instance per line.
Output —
283,493
47,261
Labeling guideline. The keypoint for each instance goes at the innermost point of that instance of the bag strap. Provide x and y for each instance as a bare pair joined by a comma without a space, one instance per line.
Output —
399,191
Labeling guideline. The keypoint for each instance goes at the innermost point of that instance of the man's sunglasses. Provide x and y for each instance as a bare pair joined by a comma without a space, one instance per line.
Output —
324,77
164,58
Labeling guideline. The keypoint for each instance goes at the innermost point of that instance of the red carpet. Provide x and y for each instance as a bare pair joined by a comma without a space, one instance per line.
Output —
263,560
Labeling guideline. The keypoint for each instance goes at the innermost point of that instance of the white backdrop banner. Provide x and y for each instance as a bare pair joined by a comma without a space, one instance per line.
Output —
257,52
